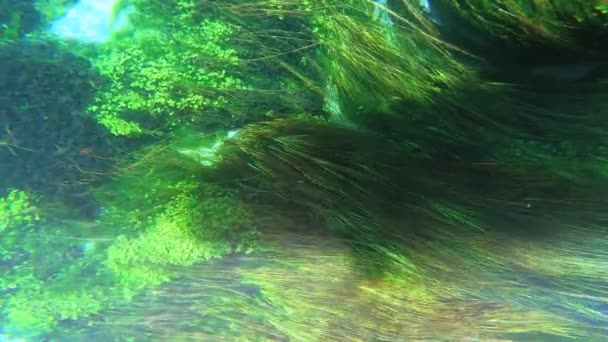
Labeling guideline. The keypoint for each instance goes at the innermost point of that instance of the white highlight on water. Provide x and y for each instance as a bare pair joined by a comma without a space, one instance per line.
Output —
90,21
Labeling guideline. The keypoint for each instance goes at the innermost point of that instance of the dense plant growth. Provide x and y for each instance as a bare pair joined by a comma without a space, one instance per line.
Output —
306,170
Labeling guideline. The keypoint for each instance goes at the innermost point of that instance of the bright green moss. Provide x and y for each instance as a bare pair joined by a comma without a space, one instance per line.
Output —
17,209
56,272
166,73
33,313
191,229
57,276
49,279
116,125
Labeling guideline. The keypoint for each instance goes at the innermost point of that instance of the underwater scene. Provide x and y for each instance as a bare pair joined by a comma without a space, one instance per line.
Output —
304,170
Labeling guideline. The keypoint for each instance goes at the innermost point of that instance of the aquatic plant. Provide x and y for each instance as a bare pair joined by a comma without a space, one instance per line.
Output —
369,59
368,63
163,216
435,202
157,81
210,72
191,229
16,209
48,279
407,80
527,27
453,288
17,18
359,179
43,131
314,164
41,260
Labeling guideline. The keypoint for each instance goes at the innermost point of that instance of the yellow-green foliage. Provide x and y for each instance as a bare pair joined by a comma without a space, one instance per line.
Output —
193,228
58,275
35,312
55,282
47,278
16,209
308,288
70,271
165,74
374,63
446,289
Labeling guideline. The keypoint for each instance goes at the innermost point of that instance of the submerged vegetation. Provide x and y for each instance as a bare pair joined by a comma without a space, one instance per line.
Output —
165,80
306,170
572,28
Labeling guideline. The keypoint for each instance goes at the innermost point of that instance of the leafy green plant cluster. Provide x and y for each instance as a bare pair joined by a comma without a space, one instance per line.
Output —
163,216
54,276
37,304
48,273
178,70
191,229
602,8
16,209
69,270
263,295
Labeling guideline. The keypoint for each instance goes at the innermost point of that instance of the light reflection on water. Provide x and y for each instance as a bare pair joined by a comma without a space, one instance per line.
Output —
90,21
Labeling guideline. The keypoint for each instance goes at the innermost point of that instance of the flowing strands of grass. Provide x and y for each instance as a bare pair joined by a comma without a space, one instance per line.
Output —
343,43
356,179
414,75
574,257
217,301
339,173
307,287
577,294
272,38
370,59
482,282
556,126
560,23
403,69
399,75
551,140
545,111
456,235
153,174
